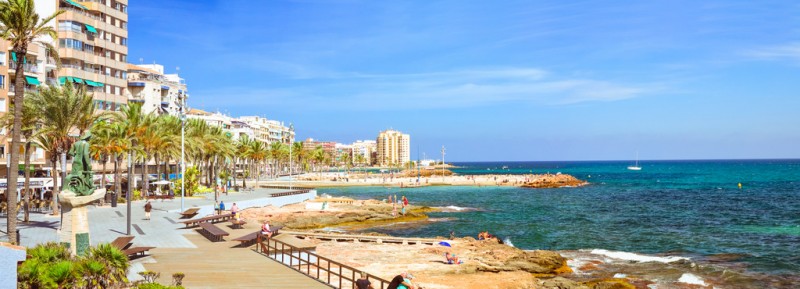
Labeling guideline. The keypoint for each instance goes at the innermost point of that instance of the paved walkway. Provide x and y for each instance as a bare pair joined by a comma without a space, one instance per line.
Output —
222,265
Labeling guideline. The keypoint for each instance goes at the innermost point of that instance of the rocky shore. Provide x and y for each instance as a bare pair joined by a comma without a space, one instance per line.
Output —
486,263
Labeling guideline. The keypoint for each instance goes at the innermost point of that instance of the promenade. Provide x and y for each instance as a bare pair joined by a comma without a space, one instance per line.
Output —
178,248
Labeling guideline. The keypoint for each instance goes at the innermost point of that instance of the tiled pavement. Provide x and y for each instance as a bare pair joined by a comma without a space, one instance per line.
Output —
162,230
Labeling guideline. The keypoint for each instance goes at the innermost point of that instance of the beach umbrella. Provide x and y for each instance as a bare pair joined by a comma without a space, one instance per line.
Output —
443,243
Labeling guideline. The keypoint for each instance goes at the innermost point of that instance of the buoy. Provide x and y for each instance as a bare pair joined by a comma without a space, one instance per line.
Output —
740,185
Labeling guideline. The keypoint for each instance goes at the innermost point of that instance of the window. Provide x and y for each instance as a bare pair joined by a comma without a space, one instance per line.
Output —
123,41
2,105
3,147
123,58
124,25
71,43
70,26
3,58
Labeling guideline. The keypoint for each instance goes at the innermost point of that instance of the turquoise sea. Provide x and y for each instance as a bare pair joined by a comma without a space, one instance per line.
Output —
691,209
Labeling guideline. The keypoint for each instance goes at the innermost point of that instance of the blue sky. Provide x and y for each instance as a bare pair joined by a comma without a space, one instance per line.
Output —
497,80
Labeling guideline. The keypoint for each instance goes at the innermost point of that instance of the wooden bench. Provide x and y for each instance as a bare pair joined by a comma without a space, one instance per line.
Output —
212,232
189,213
124,244
237,224
209,219
249,239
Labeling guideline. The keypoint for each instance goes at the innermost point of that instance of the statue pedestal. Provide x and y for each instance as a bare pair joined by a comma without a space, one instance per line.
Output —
75,220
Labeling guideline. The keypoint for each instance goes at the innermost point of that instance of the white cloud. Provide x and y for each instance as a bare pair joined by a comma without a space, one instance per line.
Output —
428,90
786,51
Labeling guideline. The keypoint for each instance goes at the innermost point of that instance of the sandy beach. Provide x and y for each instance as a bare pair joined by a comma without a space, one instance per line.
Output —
341,179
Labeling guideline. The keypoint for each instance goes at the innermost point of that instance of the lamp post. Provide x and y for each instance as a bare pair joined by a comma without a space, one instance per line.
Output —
443,164
183,152
291,167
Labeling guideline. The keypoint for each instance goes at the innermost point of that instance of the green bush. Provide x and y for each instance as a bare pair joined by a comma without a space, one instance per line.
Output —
137,195
192,182
156,286
51,265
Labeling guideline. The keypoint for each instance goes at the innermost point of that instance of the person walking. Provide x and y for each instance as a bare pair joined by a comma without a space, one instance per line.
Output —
147,208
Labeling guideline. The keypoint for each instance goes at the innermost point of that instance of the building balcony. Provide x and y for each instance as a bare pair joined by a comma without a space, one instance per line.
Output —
27,68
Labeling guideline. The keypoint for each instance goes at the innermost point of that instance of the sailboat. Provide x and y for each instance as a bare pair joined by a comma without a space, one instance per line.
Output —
635,167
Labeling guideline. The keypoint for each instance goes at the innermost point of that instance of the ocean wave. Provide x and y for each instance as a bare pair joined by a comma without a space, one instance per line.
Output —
628,256
507,241
452,209
441,219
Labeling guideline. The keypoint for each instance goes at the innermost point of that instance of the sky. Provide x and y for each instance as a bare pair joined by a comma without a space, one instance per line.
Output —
496,80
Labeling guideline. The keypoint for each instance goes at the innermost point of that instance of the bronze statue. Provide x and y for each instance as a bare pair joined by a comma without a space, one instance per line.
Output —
80,180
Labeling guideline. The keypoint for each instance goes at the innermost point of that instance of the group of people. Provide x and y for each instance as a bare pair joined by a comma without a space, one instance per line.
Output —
485,236
402,281
403,204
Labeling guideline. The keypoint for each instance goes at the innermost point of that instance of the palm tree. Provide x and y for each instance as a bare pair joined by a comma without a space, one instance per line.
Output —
30,127
242,153
21,26
258,153
59,109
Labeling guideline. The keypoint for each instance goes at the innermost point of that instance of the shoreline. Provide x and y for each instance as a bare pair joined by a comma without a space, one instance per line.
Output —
581,268
329,180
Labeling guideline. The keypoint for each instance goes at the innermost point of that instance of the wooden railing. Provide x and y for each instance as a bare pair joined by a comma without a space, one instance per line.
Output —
330,272
285,187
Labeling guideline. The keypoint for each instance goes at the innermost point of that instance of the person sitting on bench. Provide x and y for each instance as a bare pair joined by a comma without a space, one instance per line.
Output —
265,229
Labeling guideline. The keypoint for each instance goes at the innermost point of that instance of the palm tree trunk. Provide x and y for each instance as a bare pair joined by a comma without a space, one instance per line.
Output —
56,188
158,168
117,177
16,130
103,181
145,177
27,185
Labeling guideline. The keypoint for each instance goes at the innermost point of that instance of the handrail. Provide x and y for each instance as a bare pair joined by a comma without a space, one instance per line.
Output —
341,277
286,187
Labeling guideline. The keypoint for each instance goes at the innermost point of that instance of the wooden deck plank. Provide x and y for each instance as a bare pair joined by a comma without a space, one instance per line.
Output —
221,265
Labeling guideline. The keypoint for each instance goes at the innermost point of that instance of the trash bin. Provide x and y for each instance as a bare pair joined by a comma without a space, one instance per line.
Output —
113,199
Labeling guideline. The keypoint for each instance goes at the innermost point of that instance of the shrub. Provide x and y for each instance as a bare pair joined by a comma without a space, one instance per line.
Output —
192,181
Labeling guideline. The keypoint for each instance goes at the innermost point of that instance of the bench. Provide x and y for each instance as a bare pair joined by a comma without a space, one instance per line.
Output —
189,213
124,244
237,224
212,232
248,240
209,219
136,251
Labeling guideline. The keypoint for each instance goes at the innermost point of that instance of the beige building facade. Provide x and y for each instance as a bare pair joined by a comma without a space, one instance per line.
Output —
393,148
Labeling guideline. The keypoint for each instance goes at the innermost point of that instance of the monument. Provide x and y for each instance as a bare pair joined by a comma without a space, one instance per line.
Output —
78,191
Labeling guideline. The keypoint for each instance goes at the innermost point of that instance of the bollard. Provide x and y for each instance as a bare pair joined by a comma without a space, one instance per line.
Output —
18,243
113,199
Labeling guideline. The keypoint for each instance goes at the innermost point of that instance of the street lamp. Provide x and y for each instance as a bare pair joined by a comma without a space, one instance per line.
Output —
183,155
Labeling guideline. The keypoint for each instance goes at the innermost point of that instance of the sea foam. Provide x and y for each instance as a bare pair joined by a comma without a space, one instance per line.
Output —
692,279
627,256
456,209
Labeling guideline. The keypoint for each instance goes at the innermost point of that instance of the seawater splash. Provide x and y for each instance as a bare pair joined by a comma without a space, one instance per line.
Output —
628,256
689,278
455,209
507,241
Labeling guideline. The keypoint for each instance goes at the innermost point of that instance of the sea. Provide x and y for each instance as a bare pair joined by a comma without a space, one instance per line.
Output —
715,223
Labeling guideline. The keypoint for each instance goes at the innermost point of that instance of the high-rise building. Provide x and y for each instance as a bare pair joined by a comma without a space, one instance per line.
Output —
93,46
393,148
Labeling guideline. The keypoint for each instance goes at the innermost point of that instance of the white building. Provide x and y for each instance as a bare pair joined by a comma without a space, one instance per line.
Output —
158,93
269,131
365,148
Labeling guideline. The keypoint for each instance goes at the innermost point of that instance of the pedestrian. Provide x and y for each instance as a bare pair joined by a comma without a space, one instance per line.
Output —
363,283
234,209
216,207
147,208
221,207
399,280
266,230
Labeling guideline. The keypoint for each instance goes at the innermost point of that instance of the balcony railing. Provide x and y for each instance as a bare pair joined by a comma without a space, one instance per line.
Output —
27,67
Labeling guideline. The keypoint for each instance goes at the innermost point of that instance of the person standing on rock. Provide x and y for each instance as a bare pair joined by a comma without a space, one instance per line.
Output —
147,208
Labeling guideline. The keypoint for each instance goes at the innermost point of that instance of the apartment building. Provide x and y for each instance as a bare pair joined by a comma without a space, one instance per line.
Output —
158,93
36,65
212,119
367,149
393,148
269,131
93,46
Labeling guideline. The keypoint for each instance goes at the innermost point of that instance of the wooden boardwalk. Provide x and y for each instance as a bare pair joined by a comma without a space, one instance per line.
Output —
221,265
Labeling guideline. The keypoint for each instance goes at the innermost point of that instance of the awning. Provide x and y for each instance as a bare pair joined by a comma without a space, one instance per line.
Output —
164,87
77,80
73,3
32,80
62,80
90,28
136,84
14,57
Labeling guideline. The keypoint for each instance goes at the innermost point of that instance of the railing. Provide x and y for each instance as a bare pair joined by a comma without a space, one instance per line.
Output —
330,272
27,67
286,187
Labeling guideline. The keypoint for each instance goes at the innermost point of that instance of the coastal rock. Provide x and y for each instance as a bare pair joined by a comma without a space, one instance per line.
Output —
554,181
562,283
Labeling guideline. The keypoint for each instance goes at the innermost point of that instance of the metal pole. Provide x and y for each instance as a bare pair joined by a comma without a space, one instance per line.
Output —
443,164
290,164
130,191
183,156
